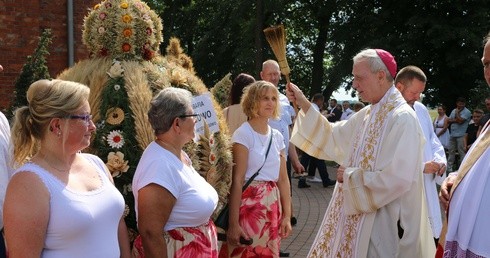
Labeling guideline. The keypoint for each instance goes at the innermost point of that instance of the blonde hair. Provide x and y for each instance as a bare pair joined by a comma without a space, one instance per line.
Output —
252,95
46,99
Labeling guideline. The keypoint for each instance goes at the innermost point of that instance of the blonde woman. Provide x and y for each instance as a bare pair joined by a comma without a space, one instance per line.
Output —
60,203
262,211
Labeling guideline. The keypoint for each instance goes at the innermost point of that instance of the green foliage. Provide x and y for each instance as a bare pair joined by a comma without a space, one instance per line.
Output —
116,133
34,69
442,37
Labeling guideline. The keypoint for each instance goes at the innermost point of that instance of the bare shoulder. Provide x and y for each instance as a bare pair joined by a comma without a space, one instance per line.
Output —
25,184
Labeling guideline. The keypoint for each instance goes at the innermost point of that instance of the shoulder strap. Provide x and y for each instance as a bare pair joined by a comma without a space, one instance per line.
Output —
257,173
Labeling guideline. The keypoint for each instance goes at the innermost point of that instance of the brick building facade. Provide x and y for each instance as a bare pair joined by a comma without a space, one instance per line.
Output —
21,25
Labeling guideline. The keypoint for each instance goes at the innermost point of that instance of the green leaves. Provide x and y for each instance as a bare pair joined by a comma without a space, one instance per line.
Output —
441,37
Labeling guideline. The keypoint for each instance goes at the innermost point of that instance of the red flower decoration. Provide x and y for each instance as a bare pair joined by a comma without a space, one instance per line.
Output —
126,47
103,52
148,31
148,54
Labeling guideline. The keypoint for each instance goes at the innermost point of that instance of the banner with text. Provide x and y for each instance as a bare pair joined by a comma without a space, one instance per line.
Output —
203,106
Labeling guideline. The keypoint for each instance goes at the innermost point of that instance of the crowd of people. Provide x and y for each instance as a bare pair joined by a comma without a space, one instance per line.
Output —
390,156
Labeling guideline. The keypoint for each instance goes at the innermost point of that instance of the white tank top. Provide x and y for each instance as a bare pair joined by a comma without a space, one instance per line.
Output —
81,224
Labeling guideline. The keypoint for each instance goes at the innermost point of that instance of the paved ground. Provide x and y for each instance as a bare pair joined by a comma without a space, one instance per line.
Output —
309,205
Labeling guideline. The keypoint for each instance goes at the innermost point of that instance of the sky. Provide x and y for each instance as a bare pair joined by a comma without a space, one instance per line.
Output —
341,95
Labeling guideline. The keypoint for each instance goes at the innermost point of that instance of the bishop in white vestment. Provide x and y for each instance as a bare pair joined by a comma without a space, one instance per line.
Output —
380,151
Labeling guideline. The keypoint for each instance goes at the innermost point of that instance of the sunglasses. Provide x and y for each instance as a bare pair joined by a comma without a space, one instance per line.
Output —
191,115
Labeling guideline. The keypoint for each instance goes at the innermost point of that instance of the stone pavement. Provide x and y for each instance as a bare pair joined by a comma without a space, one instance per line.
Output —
309,206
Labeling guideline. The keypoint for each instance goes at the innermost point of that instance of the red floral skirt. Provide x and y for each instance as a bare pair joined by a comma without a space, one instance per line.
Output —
187,242
260,218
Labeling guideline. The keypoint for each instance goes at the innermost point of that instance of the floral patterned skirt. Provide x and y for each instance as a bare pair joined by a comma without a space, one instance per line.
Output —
187,242
260,219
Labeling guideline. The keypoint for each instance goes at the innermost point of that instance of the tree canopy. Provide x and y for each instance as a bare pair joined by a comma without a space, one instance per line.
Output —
444,38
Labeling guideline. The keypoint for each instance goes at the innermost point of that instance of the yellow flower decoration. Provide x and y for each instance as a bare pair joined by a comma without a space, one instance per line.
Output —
114,116
96,6
116,163
127,18
114,16
127,32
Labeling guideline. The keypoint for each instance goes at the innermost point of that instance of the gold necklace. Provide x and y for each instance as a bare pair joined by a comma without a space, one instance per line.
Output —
43,158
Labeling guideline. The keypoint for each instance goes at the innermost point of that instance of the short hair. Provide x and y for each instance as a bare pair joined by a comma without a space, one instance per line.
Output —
168,104
239,83
317,97
334,100
442,106
461,99
252,96
374,61
408,73
358,105
486,39
479,111
270,62
47,99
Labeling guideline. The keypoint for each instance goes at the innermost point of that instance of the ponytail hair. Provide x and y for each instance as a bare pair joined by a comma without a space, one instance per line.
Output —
47,99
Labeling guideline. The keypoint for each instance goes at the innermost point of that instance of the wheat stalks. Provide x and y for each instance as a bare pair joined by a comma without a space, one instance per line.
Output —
276,36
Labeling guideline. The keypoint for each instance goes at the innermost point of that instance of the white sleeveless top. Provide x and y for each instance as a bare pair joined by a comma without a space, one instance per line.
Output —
81,224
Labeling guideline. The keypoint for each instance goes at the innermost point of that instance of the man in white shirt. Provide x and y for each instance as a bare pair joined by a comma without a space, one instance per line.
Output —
347,111
410,81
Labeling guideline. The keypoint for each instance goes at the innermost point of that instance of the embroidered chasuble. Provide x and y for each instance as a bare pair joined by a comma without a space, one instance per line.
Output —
381,147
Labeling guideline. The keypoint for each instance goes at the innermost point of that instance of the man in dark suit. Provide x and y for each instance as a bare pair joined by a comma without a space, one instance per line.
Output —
313,163
334,113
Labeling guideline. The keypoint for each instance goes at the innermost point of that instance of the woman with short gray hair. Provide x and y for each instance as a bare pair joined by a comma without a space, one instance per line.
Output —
173,202
166,106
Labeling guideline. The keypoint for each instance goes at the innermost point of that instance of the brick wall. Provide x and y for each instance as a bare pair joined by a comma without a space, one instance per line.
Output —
21,25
